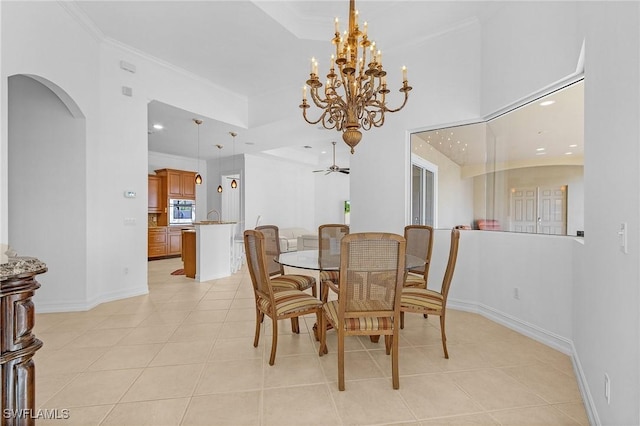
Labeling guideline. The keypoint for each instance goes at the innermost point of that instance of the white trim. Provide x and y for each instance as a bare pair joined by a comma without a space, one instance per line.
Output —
43,307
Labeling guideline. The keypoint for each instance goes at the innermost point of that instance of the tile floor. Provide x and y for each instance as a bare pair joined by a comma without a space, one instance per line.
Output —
183,355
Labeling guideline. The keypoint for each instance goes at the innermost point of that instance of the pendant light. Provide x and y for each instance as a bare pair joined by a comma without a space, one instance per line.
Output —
198,177
219,165
234,183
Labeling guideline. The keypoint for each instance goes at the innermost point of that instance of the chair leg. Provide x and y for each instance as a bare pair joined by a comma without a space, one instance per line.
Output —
401,320
314,290
388,341
259,318
444,337
295,325
394,361
340,360
274,341
319,334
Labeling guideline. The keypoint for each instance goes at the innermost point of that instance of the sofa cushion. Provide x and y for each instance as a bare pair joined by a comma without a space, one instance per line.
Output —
289,238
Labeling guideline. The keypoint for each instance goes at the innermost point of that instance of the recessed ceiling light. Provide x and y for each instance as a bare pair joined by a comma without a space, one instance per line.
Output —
547,103
541,153
573,145
323,152
568,153
539,149
158,126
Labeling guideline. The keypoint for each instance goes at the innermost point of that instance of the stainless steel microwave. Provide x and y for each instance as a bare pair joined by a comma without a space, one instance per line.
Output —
181,211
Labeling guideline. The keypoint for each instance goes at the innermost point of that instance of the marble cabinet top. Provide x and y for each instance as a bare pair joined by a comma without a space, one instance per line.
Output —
15,267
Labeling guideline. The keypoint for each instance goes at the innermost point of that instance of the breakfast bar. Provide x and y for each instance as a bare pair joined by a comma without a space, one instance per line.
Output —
212,246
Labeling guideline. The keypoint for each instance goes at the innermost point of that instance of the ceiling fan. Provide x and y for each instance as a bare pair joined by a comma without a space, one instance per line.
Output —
334,167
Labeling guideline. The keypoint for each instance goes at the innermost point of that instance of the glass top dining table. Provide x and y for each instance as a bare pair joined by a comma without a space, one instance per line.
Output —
309,259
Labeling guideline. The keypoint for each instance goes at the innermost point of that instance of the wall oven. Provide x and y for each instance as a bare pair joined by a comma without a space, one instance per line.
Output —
181,211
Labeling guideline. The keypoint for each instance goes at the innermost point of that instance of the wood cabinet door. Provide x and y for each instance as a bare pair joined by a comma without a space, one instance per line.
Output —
175,243
155,192
174,183
189,184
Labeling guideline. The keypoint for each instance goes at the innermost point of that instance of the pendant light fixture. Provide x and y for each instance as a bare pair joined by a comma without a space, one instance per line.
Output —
198,177
234,183
219,165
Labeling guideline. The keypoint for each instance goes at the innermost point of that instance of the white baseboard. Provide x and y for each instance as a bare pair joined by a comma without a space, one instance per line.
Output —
46,307
541,335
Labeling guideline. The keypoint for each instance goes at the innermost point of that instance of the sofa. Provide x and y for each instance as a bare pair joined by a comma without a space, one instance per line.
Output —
289,238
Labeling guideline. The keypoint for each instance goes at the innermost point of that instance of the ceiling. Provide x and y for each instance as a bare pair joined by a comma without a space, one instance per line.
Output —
532,134
253,48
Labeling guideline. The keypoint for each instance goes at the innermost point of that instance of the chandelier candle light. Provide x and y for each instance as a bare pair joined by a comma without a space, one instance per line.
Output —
355,97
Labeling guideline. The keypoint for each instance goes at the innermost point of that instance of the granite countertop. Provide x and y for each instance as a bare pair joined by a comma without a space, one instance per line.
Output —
15,267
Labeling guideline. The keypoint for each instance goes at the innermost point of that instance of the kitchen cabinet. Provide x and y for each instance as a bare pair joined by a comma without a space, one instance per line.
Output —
180,183
155,194
174,240
157,242
165,241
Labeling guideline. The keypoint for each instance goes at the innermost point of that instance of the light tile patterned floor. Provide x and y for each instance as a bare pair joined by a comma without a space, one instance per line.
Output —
183,355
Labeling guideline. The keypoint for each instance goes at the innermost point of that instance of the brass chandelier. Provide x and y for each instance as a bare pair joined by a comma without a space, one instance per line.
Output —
355,96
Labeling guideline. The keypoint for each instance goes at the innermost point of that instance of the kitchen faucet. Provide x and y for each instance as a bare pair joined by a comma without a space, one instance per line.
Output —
213,211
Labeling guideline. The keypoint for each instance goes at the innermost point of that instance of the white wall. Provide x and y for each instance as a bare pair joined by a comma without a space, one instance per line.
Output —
332,191
609,343
444,91
281,191
45,138
43,39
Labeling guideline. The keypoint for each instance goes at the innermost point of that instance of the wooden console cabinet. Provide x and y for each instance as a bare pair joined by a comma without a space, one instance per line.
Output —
18,344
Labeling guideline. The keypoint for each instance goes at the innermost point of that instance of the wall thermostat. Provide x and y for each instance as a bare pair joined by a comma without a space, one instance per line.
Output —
129,194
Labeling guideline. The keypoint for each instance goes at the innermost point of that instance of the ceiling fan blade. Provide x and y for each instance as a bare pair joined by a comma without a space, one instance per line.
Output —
316,171
346,172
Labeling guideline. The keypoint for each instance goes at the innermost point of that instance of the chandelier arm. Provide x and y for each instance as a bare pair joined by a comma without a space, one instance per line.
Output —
304,115
320,103
406,97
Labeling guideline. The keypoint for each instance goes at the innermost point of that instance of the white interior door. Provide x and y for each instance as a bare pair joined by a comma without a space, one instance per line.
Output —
230,199
524,209
552,208
541,210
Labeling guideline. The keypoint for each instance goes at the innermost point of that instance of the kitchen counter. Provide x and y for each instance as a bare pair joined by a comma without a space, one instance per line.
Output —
214,248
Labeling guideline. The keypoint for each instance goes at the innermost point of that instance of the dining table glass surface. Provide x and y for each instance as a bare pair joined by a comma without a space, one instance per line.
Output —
310,259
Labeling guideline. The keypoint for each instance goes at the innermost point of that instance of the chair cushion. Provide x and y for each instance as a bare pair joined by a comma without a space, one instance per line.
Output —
292,282
333,276
354,324
414,280
420,298
289,301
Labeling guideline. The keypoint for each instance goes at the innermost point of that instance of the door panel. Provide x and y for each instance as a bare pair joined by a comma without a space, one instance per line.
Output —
540,210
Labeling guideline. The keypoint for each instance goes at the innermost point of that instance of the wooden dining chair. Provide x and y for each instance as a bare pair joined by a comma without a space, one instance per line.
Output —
279,279
430,302
329,237
371,277
277,305
420,244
